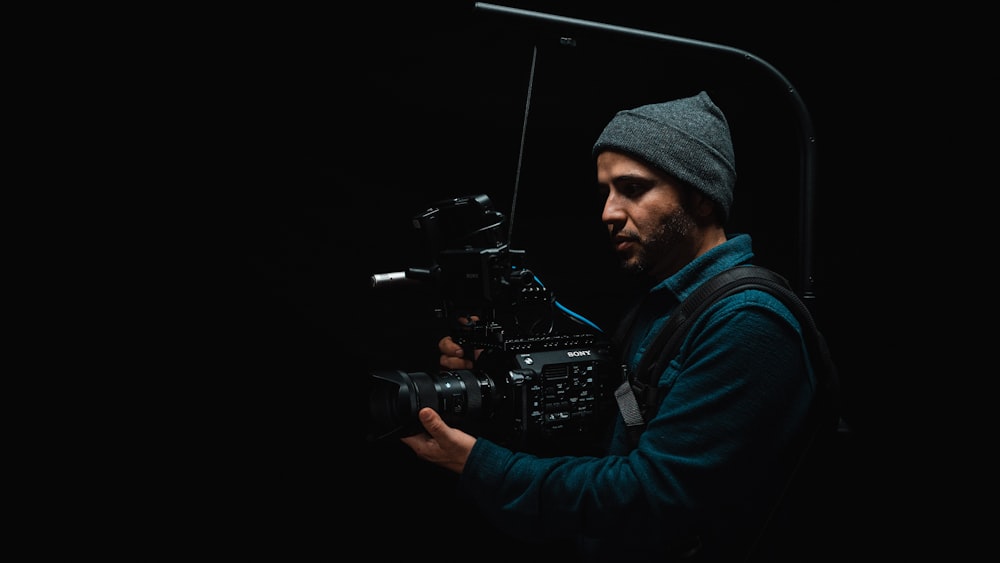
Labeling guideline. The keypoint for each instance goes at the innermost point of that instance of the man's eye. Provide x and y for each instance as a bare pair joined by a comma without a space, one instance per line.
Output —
632,189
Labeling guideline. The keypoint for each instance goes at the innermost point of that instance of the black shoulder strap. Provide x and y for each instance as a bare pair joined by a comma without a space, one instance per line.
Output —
825,412
728,282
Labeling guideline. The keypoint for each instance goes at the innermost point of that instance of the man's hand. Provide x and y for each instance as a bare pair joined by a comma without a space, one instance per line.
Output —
452,355
442,444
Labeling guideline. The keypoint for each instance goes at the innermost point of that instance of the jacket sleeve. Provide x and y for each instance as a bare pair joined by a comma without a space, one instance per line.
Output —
738,391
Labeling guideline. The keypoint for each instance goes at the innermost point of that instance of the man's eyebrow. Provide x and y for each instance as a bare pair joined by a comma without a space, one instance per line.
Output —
633,178
629,176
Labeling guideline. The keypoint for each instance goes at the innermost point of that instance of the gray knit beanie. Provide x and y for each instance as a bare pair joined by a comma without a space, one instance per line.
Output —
687,138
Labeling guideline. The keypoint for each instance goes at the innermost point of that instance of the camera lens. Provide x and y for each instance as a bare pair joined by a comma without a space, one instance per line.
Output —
396,396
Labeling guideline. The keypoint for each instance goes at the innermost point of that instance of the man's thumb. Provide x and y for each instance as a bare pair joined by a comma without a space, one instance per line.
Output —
430,419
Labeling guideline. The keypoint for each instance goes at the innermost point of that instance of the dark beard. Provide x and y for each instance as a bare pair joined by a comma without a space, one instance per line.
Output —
675,229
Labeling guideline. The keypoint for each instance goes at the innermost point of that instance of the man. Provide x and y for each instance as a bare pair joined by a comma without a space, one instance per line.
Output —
712,463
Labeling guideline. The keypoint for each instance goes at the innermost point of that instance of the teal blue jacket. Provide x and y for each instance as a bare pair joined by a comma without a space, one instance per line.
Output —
713,458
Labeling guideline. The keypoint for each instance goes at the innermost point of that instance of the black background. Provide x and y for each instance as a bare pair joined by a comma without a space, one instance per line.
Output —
317,135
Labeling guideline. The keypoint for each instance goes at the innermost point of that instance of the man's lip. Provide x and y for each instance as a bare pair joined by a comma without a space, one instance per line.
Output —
622,244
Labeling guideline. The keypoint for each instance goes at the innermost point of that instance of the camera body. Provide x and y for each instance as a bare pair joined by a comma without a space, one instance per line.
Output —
547,396
544,379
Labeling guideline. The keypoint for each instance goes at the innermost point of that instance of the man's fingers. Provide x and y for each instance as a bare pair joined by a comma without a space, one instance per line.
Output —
465,321
442,444
432,421
452,355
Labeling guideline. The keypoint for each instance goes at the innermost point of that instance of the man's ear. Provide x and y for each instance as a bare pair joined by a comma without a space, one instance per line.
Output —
703,204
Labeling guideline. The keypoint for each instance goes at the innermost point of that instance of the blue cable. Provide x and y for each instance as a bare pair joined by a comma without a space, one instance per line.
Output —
573,314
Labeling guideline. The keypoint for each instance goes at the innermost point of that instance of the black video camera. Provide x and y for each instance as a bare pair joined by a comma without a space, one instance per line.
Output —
544,381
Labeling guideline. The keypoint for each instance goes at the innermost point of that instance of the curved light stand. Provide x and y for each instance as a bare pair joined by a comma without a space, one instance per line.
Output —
807,140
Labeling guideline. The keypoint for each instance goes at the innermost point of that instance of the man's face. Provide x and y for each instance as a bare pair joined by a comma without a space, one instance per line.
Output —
650,228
